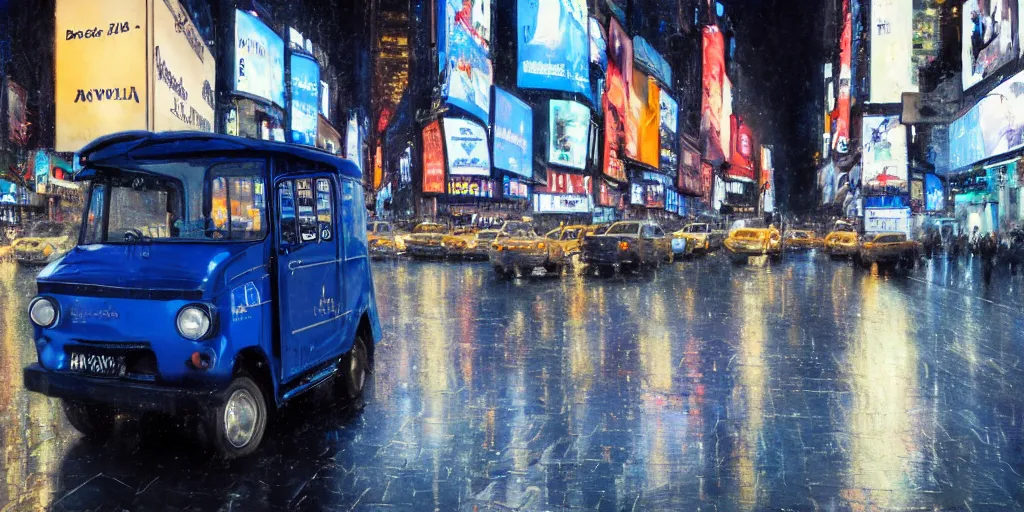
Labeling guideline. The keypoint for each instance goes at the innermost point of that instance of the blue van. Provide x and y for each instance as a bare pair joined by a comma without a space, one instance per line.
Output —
214,276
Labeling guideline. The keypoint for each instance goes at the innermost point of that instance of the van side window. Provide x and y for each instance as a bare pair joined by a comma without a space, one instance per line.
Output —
306,210
286,209
324,209
353,211
95,221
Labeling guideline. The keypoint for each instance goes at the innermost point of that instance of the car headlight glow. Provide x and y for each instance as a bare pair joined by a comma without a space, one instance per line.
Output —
193,322
43,312
47,251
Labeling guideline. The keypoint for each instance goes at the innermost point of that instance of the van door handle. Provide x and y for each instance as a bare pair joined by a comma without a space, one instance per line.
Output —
293,264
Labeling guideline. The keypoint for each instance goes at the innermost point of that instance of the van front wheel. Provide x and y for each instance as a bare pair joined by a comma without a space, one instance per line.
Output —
236,427
94,422
355,370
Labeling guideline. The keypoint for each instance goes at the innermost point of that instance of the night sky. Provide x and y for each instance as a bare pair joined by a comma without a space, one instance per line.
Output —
780,53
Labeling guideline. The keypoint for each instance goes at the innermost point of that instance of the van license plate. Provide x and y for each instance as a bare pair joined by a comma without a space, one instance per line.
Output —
97,364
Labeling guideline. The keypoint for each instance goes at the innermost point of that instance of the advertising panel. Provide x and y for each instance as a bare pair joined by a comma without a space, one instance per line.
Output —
184,74
645,108
668,131
466,145
325,99
17,114
711,103
884,156
650,59
433,159
513,134
993,40
259,59
100,82
767,179
598,44
515,189
995,125
841,134
565,183
636,194
689,172
353,143
707,176
608,195
467,74
474,16
654,195
934,194
892,36
471,187
569,131
405,166
742,158
616,100
305,85
887,220
558,203
554,50
726,121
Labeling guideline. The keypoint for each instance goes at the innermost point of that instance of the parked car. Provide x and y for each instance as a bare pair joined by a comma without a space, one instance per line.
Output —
426,241
742,243
518,249
44,242
223,322
628,245
470,244
841,244
381,238
697,238
889,248
570,239
801,240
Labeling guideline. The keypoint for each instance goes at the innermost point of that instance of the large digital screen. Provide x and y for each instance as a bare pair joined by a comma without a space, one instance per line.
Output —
884,153
726,121
767,179
892,35
305,102
433,159
467,73
989,38
711,103
185,72
513,134
259,59
569,131
554,49
934,193
468,154
565,183
645,109
559,203
690,182
616,100
474,16
648,57
841,133
598,44
471,187
669,161
741,159
993,126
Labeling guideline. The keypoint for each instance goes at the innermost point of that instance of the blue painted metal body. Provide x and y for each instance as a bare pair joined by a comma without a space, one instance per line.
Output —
114,295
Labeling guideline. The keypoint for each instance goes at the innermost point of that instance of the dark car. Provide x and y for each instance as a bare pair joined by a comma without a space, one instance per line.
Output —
627,245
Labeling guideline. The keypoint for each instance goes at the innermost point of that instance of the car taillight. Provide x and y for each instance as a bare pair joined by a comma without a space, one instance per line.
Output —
541,245
623,246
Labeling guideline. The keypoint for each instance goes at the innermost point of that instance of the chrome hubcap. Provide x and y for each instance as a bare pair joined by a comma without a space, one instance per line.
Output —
240,415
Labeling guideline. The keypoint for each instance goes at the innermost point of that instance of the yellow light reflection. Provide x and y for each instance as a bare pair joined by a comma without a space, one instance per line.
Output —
756,297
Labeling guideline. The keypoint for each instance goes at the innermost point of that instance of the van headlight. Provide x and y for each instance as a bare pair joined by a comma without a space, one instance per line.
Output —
43,312
194,322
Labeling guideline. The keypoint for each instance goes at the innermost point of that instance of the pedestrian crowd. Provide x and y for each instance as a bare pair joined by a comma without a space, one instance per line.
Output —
995,249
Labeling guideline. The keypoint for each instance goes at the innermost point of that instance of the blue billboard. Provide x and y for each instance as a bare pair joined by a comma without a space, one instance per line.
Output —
305,89
467,73
934,194
649,58
513,134
553,45
259,59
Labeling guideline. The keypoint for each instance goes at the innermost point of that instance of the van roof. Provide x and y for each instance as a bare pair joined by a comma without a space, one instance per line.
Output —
121,148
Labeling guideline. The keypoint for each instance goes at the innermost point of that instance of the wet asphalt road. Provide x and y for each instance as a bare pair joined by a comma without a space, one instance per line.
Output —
803,385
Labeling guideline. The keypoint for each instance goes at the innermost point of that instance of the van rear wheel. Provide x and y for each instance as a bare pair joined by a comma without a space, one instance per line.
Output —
236,427
355,370
95,422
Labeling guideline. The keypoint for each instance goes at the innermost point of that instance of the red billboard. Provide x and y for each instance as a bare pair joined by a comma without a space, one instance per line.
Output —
841,116
565,183
706,175
609,195
689,180
433,159
616,100
711,105
741,158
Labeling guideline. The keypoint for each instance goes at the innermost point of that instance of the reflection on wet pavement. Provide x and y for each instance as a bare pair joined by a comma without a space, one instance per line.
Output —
804,385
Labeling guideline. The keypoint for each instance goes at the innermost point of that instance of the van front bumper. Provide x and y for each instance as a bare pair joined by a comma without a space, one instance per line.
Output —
122,394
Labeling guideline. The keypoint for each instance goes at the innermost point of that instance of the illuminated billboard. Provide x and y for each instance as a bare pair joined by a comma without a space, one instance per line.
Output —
651,59
559,203
553,45
711,103
669,158
767,179
934,194
892,71
841,134
85,111
513,134
433,159
184,74
598,44
992,42
565,183
466,74
690,182
569,134
726,121
645,109
469,186
993,126
616,100
474,16
884,155
305,87
515,189
466,146
742,156
259,59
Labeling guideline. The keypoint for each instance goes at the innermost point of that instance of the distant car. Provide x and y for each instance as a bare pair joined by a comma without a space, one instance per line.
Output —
469,244
518,249
801,240
743,243
44,242
697,238
426,241
841,244
628,245
381,239
889,248
570,238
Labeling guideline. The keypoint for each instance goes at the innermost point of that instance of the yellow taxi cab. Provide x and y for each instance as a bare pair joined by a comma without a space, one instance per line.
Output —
425,241
380,237
889,248
801,240
570,239
519,250
841,244
469,243
743,243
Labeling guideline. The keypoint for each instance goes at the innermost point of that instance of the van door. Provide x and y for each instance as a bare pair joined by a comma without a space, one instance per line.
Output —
309,301
355,263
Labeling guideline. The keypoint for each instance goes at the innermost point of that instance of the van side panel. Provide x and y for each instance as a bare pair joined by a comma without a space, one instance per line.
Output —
356,264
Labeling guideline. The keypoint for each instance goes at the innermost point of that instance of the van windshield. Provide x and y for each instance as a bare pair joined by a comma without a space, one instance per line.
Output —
192,200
